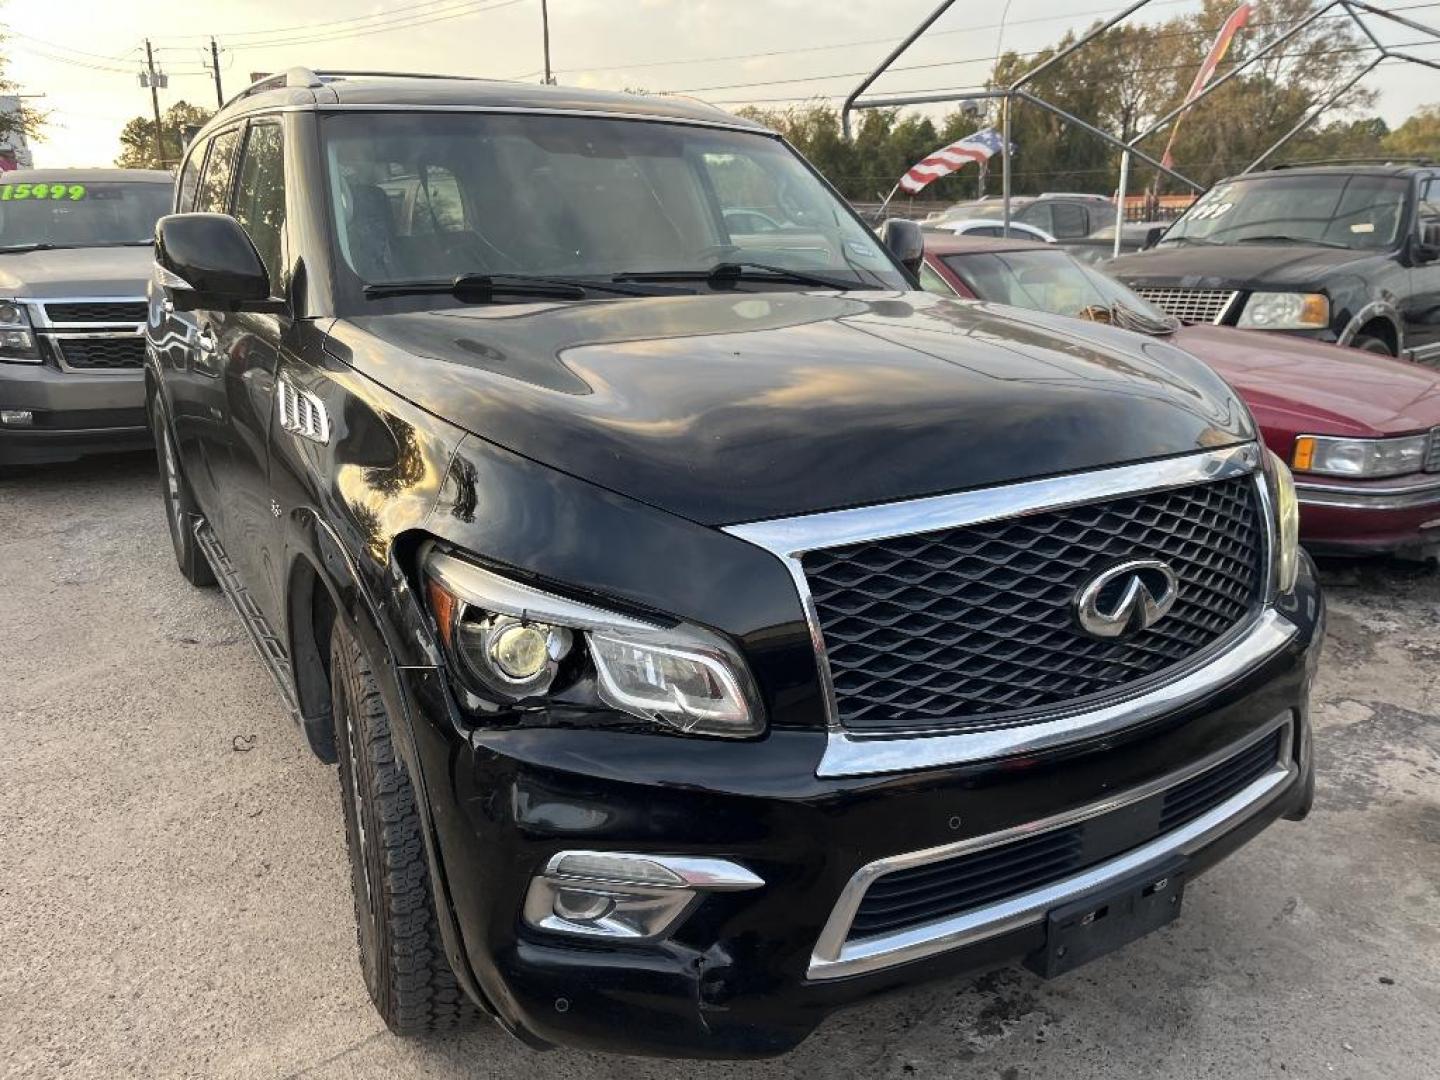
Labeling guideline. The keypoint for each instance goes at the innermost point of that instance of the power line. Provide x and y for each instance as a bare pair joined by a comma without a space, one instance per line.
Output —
990,59
873,42
1430,42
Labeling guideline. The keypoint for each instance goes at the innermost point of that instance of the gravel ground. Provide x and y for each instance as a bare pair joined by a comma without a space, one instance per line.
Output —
174,899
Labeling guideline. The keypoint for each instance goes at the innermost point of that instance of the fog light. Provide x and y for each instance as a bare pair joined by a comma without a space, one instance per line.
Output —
620,895
16,417
577,905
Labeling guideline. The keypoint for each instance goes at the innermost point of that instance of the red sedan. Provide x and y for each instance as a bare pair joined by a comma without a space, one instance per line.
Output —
1360,432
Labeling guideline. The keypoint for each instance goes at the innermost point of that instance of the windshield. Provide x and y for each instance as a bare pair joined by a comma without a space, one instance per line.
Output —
80,215
1053,281
1357,211
428,196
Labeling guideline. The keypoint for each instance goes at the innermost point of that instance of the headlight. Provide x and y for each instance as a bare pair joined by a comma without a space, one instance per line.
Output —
1360,458
518,647
17,340
1287,523
1286,311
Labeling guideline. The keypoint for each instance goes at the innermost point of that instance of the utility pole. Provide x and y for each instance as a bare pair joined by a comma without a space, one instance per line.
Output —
151,79
545,30
215,68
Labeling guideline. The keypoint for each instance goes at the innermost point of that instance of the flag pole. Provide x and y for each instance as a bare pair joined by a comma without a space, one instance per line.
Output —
880,214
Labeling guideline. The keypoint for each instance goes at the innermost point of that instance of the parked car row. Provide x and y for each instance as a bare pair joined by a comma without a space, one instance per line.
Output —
710,628
1361,432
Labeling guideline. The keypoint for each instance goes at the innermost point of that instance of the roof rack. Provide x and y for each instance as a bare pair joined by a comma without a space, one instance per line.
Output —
1355,161
308,79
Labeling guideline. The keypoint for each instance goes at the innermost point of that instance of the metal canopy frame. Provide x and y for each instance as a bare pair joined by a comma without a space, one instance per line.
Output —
1016,91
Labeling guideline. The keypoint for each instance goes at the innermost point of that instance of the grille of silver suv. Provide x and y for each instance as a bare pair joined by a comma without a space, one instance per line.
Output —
972,627
92,334
1191,305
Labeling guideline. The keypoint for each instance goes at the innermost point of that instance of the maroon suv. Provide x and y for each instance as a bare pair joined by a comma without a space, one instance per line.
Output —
1361,432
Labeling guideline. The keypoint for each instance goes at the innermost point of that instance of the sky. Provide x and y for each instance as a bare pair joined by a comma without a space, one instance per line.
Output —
85,56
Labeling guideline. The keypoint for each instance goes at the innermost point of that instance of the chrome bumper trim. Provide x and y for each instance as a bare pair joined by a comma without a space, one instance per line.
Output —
834,957
1382,496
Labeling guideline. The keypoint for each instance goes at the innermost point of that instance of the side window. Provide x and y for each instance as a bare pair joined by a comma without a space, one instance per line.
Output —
260,195
190,178
1430,202
1038,214
930,281
1070,223
214,194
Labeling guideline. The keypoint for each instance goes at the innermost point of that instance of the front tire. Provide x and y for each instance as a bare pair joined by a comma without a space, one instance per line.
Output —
1369,343
401,953
180,509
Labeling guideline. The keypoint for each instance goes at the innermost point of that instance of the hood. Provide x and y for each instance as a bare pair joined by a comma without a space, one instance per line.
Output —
1236,266
1316,388
736,407
88,272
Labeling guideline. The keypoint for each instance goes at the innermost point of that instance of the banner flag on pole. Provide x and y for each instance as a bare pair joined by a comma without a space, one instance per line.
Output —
1218,48
977,147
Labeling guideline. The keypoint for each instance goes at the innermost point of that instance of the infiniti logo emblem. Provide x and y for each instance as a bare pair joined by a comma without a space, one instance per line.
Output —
1127,598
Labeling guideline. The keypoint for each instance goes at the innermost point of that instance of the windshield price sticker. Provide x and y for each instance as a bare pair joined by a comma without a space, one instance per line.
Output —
66,192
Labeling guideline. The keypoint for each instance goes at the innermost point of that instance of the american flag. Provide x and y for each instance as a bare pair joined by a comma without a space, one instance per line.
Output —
977,147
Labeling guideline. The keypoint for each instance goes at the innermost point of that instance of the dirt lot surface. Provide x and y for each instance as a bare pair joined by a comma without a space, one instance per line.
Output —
174,899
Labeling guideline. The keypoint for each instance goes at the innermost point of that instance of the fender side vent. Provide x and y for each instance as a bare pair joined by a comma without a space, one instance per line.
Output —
301,412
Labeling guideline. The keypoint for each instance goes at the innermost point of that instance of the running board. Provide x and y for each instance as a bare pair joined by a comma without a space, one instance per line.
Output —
267,643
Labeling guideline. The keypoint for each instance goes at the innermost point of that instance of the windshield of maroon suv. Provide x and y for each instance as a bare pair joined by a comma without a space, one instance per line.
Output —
429,196
1341,211
1053,281
66,215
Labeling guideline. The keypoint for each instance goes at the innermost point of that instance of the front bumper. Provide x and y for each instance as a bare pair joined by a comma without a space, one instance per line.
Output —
739,977
1399,516
73,413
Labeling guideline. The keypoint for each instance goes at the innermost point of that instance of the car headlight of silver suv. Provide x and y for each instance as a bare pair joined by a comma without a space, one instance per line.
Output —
1285,311
1360,458
17,339
520,647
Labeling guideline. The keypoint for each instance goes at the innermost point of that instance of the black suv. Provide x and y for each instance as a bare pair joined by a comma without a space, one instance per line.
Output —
1347,253
710,628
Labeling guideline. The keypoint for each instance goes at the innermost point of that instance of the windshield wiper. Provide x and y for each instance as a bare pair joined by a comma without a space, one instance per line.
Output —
1187,240
1281,238
724,275
482,288
46,245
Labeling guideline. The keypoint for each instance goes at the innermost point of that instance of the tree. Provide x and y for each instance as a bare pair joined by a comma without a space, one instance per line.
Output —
1419,136
23,121
137,138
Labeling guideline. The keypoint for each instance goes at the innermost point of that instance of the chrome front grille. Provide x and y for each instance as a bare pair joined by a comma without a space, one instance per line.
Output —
970,628
102,353
1432,453
1191,305
95,311
92,334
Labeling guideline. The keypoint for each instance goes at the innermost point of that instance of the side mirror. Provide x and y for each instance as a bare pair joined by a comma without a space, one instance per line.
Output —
1152,236
210,263
1429,246
905,241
